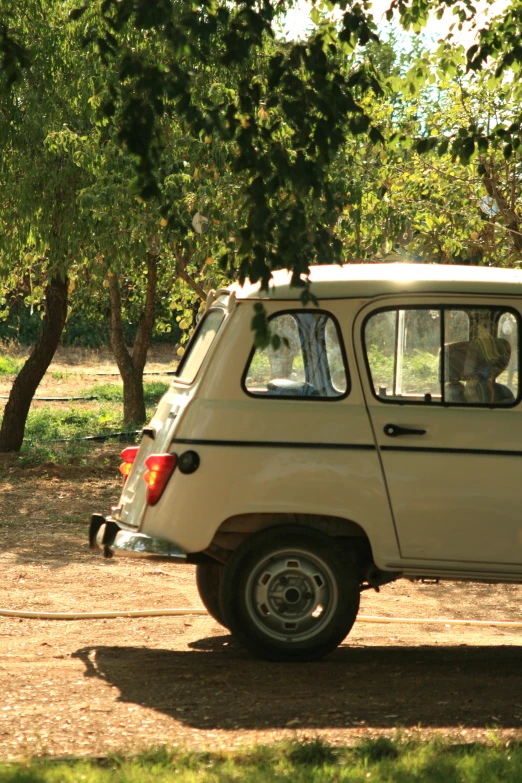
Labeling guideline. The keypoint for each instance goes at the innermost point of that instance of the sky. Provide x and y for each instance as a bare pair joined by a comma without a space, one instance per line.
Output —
299,18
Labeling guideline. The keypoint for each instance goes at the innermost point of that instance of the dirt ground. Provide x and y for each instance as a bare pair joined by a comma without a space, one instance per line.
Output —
96,685
92,686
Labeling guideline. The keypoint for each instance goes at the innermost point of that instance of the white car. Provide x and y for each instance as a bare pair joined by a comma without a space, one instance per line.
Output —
382,440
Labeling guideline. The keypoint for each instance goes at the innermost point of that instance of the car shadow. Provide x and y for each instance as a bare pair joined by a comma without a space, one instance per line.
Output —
217,684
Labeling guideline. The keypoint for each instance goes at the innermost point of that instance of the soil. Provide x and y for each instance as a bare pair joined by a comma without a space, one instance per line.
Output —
93,686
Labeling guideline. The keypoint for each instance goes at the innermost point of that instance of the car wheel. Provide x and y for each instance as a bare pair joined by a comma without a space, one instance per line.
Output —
290,593
208,581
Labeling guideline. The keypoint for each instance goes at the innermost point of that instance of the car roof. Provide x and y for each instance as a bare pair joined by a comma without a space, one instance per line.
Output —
377,279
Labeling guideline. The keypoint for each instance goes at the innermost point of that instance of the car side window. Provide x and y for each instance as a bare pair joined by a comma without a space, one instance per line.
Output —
402,348
309,362
483,369
453,356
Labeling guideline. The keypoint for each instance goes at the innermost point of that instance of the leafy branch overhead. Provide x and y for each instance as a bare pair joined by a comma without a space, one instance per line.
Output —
287,115
287,120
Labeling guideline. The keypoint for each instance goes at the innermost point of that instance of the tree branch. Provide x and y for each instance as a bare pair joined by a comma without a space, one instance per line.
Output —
181,270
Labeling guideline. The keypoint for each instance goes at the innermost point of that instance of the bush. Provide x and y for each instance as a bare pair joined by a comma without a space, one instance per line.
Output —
9,366
81,330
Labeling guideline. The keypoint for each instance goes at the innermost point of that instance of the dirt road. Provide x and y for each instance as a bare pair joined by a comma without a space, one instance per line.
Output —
91,686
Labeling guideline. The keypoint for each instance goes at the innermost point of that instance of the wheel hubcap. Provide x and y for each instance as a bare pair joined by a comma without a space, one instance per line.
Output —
291,595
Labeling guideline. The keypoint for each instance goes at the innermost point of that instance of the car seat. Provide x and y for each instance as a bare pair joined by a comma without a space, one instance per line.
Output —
488,357
478,362
456,354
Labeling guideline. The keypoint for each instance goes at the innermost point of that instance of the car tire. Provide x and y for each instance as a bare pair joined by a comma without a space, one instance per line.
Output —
290,593
208,581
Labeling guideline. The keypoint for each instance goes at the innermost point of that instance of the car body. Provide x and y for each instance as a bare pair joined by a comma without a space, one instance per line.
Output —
382,439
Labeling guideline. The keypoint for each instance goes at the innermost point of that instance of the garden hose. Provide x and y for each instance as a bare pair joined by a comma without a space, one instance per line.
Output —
55,399
116,374
101,615
202,612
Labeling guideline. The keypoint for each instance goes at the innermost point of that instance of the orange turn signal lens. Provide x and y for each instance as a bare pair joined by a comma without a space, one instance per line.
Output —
128,456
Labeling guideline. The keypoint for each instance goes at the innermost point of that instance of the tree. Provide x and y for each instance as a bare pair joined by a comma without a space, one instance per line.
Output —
299,91
414,197
42,232
146,265
68,219
307,89
471,142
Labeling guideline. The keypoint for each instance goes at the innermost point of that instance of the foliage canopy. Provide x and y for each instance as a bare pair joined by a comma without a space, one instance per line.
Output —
288,125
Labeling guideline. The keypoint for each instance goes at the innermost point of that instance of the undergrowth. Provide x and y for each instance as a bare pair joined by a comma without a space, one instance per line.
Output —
113,392
56,433
373,761
9,366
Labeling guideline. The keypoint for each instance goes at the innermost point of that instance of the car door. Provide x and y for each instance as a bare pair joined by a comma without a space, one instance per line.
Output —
440,379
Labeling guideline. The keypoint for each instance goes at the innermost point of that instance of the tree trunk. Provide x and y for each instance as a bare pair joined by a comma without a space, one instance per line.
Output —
133,398
29,377
131,366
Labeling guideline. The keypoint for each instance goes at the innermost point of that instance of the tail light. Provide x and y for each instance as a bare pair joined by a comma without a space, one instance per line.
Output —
128,456
160,468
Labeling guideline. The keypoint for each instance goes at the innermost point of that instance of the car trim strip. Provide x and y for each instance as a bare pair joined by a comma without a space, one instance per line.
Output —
443,450
275,444
272,444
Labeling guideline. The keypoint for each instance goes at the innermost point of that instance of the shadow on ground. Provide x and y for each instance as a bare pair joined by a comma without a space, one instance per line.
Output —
361,686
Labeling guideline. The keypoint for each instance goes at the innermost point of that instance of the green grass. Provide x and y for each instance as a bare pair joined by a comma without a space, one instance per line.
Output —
113,392
52,423
59,375
9,366
54,434
375,761
49,426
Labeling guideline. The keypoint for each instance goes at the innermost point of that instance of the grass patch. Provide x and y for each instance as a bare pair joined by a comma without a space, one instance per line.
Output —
59,375
52,423
113,392
71,519
9,366
308,762
55,433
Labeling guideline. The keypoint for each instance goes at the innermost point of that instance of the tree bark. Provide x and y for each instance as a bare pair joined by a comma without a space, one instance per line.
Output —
131,365
29,377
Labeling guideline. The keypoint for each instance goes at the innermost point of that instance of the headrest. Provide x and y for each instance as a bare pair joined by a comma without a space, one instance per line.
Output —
484,358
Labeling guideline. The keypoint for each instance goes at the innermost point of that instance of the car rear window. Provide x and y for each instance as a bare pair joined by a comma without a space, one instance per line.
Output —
199,345
309,363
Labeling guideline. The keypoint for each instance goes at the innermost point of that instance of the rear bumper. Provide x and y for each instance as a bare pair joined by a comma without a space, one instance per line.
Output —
107,535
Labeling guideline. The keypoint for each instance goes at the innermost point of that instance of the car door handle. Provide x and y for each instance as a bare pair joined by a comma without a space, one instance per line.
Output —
393,431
